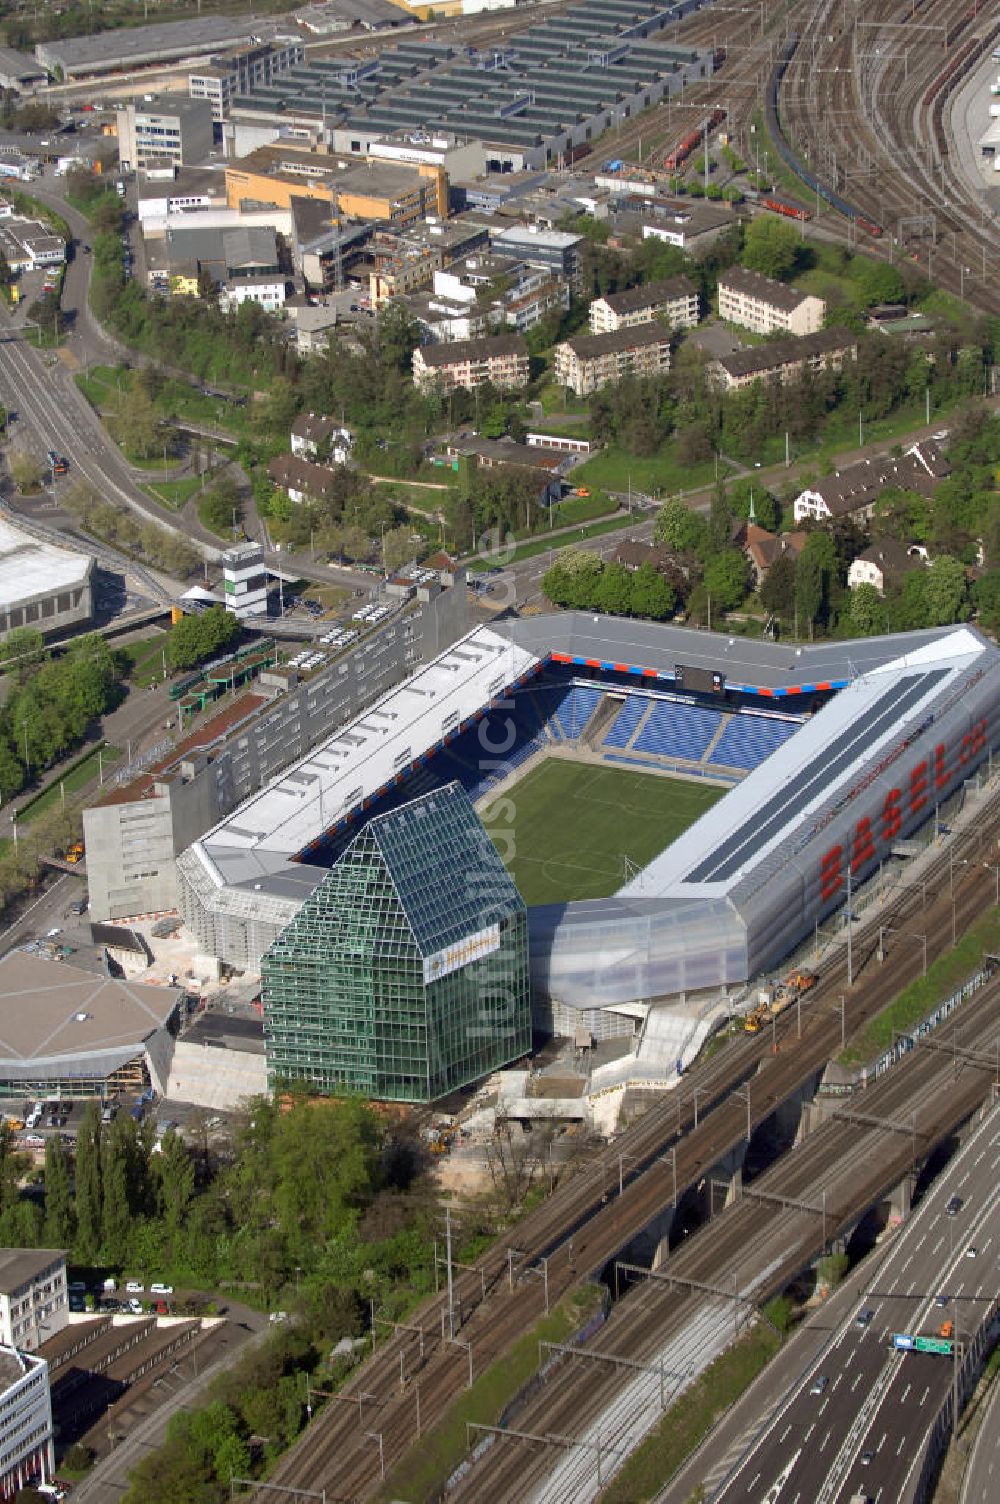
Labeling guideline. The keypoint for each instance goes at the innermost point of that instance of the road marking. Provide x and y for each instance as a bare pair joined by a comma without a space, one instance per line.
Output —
902,1397
857,1381
882,1443
785,1432
753,1483
826,1438
809,1432
925,1394
902,1444
837,1379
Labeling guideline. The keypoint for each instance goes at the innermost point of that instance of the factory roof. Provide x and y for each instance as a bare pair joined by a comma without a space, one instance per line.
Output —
50,1012
19,66
111,49
29,567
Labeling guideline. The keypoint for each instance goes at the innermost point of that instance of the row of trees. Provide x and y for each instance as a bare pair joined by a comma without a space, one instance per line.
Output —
200,636
144,541
581,580
50,705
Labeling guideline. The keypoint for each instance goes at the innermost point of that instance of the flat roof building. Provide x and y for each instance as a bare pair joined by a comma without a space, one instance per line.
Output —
405,974
33,1301
42,585
169,128
26,1453
229,74
18,71
136,46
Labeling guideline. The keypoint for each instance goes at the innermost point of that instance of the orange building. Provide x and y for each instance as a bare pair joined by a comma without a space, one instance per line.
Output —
369,190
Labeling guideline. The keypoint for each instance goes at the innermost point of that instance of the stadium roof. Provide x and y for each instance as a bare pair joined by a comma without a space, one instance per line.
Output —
806,775
58,1018
29,567
771,669
360,761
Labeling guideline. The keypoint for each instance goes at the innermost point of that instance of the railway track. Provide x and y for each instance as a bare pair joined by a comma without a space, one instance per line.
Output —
590,1217
835,1173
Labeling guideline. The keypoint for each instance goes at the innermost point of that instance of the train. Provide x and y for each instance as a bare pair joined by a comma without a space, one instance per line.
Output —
788,156
778,205
693,140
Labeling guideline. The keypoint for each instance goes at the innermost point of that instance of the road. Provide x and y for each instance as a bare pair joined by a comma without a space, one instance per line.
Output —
981,1484
857,1421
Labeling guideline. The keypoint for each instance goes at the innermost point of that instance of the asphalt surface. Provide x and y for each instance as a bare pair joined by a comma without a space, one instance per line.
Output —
981,1484
857,1421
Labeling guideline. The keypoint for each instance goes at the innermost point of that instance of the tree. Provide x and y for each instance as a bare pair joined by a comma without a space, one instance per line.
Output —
398,547
777,593
680,527
221,507
946,592
727,579
879,283
770,247
27,471
868,614
198,637
60,1223
986,595
766,511
138,428
808,588
614,592
88,1185
652,596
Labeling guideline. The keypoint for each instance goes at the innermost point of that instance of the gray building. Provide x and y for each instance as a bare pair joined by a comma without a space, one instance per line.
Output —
18,71
136,46
166,128
244,68
557,250
135,832
41,585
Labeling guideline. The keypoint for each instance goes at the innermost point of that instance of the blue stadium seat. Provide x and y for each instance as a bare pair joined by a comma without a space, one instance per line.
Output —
675,730
622,728
580,704
748,739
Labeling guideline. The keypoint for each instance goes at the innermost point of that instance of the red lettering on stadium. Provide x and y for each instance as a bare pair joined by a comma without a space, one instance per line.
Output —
863,847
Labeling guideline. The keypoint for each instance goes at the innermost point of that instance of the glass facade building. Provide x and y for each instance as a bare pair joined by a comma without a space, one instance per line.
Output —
405,974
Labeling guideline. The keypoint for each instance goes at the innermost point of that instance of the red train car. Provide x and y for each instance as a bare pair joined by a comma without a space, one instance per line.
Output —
790,211
692,140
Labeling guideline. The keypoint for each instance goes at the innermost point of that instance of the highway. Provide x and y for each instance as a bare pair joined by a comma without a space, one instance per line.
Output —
857,1421
981,1484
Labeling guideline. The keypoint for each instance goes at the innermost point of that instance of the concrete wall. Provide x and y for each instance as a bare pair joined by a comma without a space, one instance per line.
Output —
212,1077
51,611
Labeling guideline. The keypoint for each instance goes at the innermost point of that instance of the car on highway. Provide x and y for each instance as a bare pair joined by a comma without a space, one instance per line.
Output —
819,1385
942,1300
864,1318
972,1252
866,1459
954,1206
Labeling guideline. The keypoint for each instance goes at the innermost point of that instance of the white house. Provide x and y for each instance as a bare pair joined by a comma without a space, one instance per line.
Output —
884,563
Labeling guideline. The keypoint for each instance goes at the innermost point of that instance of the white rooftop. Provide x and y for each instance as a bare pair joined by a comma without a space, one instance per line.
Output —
363,757
29,567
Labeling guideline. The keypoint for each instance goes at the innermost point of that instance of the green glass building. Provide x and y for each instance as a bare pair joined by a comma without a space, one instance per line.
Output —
405,973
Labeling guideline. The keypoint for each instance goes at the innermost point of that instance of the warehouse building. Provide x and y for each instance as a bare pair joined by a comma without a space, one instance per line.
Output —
229,74
71,1033
404,975
139,46
18,71
41,585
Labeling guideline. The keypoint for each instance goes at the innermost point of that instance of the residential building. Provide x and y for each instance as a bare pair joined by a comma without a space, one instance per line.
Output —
766,306
783,359
268,290
762,549
227,256
314,326
633,555
523,310
398,978
589,361
33,1300
407,258
244,580
502,361
673,301
169,127
312,432
230,74
29,244
556,250
301,480
26,1453
885,563
854,491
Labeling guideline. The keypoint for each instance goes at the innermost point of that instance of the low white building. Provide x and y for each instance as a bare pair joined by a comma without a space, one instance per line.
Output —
885,562
33,1300
26,1454
267,290
42,585
312,431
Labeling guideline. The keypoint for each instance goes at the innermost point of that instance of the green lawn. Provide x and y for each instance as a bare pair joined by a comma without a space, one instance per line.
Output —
175,494
78,777
661,473
574,823
143,659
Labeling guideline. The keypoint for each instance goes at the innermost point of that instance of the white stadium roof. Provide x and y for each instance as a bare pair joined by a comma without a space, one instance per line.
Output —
362,759
29,567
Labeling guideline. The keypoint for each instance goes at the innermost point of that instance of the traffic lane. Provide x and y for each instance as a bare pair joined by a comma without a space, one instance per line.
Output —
810,1423
897,1434
981,1484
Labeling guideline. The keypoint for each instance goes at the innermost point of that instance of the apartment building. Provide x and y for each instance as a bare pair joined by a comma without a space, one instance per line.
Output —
784,359
33,1300
230,74
673,301
591,361
768,307
167,128
501,361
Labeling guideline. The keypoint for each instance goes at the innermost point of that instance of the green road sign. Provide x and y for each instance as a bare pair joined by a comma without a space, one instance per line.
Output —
931,1345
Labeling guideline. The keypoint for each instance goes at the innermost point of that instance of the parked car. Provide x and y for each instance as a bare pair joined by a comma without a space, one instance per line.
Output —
134,1287
158,1289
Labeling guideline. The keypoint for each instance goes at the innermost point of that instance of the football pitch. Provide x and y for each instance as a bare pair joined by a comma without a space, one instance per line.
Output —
566,829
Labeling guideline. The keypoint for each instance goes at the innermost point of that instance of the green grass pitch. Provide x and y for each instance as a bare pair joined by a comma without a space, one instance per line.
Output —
566,828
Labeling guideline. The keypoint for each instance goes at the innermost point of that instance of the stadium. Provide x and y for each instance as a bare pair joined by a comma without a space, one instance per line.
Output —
669,814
